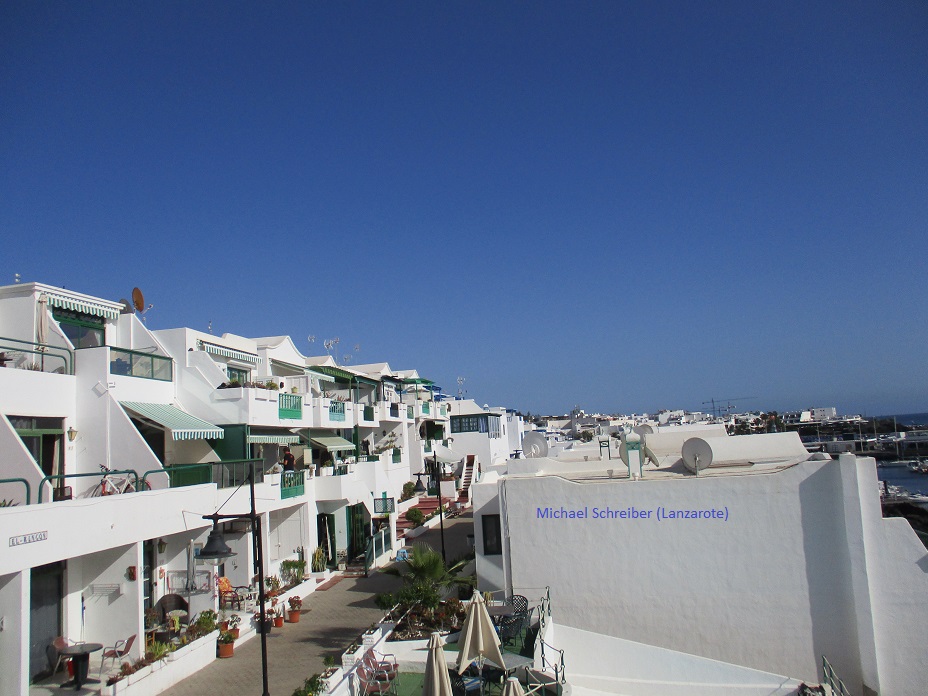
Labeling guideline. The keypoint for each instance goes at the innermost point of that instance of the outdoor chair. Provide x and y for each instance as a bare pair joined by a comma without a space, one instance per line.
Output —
52,652
372,682
172,602
510,628
231,597
461,686
383,665
519,604
116,652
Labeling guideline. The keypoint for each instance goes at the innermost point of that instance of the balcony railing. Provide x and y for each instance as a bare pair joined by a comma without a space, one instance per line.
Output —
292,484
425,408
290,406
410,412
224,474
397,455
428,445
337,411
132,363
368,414
42,352
394,410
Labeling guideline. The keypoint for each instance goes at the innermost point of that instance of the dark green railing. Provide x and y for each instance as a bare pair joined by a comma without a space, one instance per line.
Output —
227,474
410,412
42,350
181,475
425,408
397,456
127,472
290,406
292,484
394,410
133,363
428,445
22,481
368,413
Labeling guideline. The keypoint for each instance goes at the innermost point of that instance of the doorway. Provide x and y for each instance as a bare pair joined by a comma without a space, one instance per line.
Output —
45,614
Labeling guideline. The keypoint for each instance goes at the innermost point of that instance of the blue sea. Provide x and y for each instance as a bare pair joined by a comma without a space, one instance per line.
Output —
901,476
909,418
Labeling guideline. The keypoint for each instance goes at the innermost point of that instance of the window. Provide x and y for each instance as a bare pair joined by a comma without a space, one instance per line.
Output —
83,330
237,375
492,535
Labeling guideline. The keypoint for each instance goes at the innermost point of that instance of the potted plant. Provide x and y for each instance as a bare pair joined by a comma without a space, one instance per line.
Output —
268,621
223,624
296,603
225,645
234,621
278,618
319,560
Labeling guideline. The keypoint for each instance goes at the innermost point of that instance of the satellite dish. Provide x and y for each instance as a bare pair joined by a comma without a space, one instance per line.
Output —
697,454
643,429
126,307
534,445
138,300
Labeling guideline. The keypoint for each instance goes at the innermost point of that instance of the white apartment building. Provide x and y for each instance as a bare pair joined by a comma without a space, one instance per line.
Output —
177,417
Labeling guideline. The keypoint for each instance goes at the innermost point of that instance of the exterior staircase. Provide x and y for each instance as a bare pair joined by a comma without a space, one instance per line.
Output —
428,505
467,479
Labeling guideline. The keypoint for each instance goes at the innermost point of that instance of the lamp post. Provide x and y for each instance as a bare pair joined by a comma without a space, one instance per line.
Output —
216,550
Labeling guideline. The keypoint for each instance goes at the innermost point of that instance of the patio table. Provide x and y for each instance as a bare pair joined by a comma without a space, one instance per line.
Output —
80,657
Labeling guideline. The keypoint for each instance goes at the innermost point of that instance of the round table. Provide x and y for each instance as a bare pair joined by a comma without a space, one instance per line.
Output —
80,659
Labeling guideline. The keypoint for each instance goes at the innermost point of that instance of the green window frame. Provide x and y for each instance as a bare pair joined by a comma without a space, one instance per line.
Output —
83,330
236,374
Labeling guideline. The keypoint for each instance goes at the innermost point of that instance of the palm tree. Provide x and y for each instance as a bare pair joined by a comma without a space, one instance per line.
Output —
426,579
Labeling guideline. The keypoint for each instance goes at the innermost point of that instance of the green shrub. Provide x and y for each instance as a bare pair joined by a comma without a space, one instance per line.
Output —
415,516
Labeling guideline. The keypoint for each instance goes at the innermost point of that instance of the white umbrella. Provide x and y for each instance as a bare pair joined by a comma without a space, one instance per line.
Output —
513,687
478,641
437,682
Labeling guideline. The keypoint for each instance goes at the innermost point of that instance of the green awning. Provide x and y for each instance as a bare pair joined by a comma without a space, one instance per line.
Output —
228,352
333,443
289,439
417,380
342,375
84,306
182,425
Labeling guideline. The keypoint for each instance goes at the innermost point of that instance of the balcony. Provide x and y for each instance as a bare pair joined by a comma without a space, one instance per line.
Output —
367,415
290,406
292,484
132,363
229,474
328,413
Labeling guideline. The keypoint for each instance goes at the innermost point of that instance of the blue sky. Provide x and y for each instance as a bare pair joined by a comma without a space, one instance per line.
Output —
622,206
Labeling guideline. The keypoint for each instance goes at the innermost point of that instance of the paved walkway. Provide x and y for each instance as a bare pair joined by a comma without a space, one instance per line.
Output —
334,619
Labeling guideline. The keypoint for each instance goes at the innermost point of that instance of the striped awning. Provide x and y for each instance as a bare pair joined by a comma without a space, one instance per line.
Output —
228,352
288,439
333,443
84,306
182,425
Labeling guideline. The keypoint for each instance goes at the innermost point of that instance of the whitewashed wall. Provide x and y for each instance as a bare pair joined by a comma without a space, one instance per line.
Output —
770,588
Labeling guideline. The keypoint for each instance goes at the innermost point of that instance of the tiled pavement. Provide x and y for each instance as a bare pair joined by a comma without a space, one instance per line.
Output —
331,620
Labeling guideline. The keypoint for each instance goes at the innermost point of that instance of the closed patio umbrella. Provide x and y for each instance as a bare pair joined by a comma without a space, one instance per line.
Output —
478,641
513,688
437,682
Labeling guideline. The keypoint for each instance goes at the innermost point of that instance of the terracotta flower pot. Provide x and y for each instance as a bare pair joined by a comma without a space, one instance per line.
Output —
223,625
293,616
278,622
234,632
225,649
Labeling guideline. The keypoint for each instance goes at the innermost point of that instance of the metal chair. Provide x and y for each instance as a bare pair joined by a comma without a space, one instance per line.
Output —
116,652
372,682
52,652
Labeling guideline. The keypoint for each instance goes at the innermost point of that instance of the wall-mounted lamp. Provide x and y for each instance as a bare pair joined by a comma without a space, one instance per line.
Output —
72,434
162,545
130,573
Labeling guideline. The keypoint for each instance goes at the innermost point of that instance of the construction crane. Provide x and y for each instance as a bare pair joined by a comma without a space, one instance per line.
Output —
728,404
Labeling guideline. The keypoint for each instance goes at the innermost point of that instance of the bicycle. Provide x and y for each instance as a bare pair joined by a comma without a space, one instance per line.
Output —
111,484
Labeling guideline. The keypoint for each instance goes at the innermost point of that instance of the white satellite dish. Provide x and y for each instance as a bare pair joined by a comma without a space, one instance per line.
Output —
534,445
697,454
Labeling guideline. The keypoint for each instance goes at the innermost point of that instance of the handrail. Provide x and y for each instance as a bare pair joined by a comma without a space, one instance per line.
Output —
557,666
22,481
831,678
180,468
68,358
102,475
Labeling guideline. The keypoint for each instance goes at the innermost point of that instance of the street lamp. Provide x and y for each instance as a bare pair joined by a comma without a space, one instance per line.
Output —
216,550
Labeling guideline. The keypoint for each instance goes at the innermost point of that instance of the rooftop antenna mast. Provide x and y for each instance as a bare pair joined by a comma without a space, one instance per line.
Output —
717,406
461,390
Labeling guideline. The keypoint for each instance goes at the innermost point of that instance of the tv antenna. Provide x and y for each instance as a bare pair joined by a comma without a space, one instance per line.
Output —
209,327
461,390
330,345
311,338
716,412
17,278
